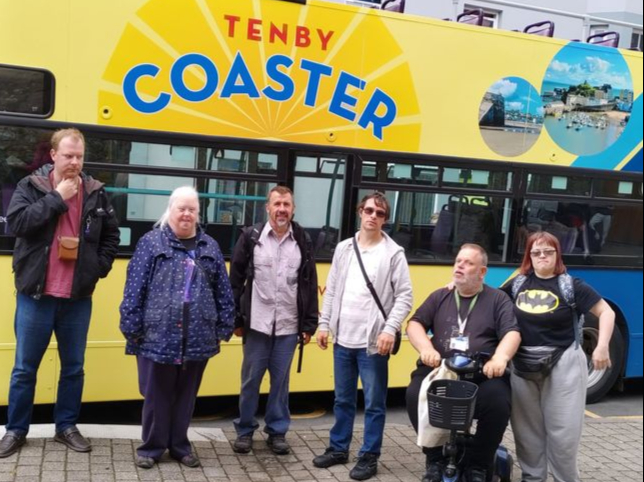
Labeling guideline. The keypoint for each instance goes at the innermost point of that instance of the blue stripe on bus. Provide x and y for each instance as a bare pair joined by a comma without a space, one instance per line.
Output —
614,155
497,276
635,164
624,289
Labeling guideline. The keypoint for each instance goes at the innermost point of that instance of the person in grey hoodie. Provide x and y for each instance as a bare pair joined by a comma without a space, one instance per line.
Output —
363,337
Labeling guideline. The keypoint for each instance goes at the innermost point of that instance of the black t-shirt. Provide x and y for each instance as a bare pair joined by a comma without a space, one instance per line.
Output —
543,314
189,243
489,321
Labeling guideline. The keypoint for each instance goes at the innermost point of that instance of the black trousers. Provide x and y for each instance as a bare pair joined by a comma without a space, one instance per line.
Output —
493,405
169,393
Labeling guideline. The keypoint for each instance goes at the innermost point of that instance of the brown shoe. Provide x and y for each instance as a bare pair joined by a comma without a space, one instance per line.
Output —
10,443
73,439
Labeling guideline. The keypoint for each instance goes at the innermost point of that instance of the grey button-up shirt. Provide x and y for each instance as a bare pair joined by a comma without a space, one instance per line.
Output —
274,302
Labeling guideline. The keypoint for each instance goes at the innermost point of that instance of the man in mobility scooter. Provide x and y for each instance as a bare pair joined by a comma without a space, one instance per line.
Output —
472,318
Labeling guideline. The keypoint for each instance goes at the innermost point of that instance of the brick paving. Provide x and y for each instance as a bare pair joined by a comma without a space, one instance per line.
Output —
611,451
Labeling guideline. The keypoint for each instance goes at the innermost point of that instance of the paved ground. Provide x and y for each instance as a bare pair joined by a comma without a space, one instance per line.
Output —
611,451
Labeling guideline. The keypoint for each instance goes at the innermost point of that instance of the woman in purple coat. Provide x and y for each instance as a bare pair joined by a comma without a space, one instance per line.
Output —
177,308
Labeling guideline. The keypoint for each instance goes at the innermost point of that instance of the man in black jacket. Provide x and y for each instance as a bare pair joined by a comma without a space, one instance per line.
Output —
274,282
66,239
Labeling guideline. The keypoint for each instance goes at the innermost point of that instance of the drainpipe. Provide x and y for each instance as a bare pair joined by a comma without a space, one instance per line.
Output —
586,29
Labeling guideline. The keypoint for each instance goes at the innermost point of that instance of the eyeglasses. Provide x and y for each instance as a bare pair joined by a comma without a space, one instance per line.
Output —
379,212
537,253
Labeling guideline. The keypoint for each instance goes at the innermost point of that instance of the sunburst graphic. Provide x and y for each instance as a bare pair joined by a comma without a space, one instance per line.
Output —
343,42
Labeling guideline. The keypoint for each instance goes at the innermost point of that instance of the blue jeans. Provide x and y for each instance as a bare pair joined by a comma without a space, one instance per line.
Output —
373,370
35,321
261,353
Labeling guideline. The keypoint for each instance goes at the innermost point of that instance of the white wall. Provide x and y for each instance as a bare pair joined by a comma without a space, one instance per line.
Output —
517,18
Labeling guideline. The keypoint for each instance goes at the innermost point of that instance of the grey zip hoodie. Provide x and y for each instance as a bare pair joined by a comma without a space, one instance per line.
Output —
392,284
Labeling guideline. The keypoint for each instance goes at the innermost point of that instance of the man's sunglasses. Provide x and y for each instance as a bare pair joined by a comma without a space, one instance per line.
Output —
379,212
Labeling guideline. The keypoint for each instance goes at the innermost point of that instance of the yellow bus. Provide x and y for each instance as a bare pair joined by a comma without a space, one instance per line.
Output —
474,134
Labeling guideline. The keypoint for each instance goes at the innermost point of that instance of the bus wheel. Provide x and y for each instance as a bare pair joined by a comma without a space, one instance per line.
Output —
601,381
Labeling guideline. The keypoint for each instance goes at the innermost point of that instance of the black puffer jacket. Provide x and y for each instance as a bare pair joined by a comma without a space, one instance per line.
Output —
33,216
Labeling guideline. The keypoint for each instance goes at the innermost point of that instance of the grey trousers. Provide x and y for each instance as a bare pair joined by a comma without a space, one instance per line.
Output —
548,418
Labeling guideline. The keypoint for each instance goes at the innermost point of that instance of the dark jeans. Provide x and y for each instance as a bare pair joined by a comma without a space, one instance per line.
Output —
261,353
34,323
169,392
373,371
493,404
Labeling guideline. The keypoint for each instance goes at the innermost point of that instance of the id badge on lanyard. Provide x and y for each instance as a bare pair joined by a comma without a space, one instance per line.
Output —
459,340
460,343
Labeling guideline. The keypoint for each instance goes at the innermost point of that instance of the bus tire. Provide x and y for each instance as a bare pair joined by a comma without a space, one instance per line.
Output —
601,381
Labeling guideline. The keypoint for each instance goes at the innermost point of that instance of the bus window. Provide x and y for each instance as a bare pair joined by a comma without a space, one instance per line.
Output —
139,200
319,195
607,234
612,188
252,162
226,206
229,205
398,172
478,179
174,156
432,226
28,92
22,151
557,184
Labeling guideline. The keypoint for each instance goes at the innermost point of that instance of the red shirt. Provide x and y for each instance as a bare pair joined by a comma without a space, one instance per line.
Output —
60,274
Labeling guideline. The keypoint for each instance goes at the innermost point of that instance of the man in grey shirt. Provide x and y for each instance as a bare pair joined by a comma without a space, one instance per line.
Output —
363,337
274,281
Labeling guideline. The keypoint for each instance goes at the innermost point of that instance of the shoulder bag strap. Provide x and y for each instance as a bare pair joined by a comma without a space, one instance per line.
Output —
517,283
367,280
567,289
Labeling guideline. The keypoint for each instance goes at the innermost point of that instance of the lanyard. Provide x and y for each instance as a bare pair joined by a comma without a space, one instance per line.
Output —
463,323
190,269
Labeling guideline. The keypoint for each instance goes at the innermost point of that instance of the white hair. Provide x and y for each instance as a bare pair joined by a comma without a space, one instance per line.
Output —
182,192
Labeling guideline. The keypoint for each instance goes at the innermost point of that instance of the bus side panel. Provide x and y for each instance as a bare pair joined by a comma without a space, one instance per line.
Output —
47,374
624,288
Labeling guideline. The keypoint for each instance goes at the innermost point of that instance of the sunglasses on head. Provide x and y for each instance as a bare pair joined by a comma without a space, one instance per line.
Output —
379,212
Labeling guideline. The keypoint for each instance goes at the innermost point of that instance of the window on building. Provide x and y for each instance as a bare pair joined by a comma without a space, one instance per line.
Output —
491,18
636,40
364,3
598,28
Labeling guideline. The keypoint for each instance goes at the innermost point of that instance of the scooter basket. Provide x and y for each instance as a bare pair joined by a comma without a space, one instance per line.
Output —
451,404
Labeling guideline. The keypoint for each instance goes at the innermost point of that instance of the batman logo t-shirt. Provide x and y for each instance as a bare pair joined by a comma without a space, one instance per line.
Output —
537,301
542,312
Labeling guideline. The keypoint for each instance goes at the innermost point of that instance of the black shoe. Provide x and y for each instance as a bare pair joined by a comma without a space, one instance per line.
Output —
190,460
278,444
73,439
478,475
433,472
144,462
243,444
10,443
330,457
366,467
